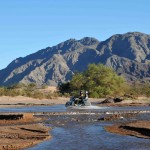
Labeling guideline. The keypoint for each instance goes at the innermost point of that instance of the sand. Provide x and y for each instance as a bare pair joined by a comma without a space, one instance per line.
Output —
139,129
7,101
21,133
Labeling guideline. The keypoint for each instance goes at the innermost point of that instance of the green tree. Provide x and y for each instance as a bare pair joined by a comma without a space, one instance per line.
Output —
99,80
78,81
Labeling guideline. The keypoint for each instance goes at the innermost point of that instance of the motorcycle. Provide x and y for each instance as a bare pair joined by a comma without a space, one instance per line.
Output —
79,101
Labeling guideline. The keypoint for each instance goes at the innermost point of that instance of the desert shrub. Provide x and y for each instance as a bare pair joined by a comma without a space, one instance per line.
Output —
49,96
139,90
66,94
44,86
12,92
17,86
55,94
31,86
2,91
30,90
37,94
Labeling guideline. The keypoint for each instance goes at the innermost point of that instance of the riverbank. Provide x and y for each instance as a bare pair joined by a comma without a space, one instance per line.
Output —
18,101
19,131
7,101
139,129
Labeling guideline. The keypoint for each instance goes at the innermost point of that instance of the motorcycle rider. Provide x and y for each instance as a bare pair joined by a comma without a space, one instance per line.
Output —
80,98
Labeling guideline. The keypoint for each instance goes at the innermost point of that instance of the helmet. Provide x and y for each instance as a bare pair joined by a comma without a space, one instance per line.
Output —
81,92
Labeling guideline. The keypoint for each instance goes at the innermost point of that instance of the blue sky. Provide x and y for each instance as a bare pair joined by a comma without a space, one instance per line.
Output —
27,26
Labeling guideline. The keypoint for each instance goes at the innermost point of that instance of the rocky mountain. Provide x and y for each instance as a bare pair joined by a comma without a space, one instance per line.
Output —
128,54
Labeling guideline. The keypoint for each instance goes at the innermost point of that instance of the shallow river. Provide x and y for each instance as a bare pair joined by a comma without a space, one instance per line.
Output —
85,136
90,137
62,108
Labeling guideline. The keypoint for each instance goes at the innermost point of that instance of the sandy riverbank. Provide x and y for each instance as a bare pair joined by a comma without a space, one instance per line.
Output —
18,133
139,129
7,101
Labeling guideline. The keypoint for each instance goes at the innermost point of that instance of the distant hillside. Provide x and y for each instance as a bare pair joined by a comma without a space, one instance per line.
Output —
128,54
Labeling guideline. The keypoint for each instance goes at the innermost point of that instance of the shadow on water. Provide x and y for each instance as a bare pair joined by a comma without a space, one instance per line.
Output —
89,137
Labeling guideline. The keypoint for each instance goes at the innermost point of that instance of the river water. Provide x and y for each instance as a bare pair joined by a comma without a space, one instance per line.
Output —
90,137
85,136
62,108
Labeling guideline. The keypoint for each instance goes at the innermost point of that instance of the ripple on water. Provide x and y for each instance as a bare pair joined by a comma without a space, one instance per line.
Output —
88,137
62,108
87,107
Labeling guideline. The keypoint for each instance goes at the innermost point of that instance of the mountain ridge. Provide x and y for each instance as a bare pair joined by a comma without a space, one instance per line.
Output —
128,54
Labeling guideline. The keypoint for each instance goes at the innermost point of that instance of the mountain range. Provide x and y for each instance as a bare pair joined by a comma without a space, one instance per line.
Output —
128,54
